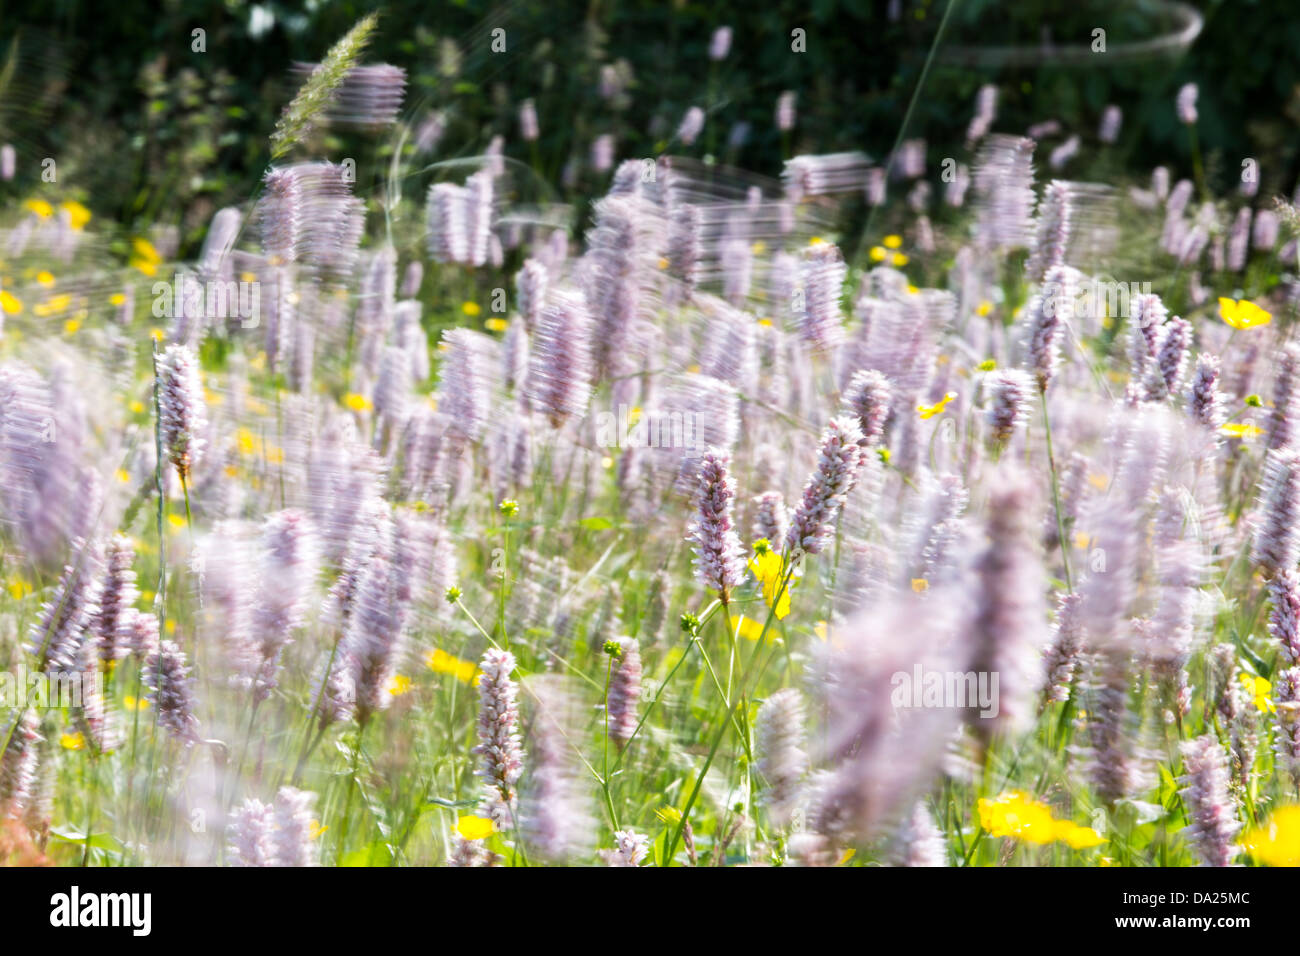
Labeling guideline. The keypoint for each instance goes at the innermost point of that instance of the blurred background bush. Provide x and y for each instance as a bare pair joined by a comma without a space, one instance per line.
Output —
146,130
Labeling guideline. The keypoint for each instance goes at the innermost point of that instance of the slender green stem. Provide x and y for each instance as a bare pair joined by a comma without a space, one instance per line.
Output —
94,805
346,825
1056,496
724,724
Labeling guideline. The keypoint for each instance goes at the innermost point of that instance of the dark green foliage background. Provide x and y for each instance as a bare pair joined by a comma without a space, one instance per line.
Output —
147,131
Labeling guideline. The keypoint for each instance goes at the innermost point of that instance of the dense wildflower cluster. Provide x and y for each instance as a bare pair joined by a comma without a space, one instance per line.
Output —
498,734
180,407
718,520
718,553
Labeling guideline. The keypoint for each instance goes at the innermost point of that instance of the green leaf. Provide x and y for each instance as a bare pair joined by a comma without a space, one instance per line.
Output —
98,841
659,849
376,854
435,803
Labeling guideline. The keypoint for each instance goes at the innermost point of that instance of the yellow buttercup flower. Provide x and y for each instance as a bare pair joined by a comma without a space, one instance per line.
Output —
132,704
878,253
1079,838
245,441
496,325
75,741
1243,314
893,242
1014,814
314,829
1276,842
1241,430
929,411
57,303
144,256
357,403
984,308
474,828
144,249
750,629
920,585
899,259
45,277
440,662
10,303
40,207
768,568
399,684
1258,688
78,215
669,815
470,308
